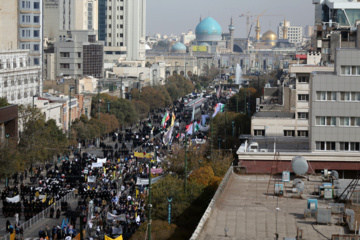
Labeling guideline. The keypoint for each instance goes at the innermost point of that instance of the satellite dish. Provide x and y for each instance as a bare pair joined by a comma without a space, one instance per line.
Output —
299,165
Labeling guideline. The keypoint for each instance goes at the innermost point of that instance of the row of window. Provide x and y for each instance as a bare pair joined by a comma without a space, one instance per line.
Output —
27,4
67,65
36,47
27,33
27,19
19,95
118,26
67,54
19,82
334,96
350,70
343,121
121,8
287,133
343,146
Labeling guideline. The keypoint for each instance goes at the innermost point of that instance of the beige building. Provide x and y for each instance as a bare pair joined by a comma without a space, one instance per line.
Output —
66,15
9,23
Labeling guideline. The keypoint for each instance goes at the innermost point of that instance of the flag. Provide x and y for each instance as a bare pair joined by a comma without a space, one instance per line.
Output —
203,119
189,128
167,136
218,108
218,92
173,119
165,119
178,135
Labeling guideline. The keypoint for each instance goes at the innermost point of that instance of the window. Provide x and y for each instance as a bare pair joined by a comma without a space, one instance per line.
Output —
109,25
121,8
65,65
325,121
36,33
121,26
79,65
289,133
36,47
320,121
36,61
36,19
79,54
325,146
303,115
259,132
303,133
303,97
326,96
121,35
350,70
345,96
355,96
36,5
350,121
303,79
64,54
349,146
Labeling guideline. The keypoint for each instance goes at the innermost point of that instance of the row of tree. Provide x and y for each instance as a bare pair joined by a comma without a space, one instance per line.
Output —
38,142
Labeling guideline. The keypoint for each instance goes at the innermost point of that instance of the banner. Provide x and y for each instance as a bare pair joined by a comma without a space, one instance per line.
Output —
156,170
91,179
96,165
121,217
118,238
14,199
101,160
141,155
167,136
145,181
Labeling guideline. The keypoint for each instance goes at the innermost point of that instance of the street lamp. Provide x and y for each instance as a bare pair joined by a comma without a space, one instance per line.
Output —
155,70
140,81
185,70
70,88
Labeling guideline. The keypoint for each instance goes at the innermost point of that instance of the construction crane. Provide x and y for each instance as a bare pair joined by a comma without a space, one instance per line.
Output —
249,30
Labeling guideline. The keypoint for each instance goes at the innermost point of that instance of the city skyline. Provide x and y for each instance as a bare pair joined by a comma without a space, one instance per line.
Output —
168,22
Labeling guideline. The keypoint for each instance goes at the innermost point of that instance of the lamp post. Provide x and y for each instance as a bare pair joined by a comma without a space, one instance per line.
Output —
186,163
155,70
108,106
140,81
185,75
70,88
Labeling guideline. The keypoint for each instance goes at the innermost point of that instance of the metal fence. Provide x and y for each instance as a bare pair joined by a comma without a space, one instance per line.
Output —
32,221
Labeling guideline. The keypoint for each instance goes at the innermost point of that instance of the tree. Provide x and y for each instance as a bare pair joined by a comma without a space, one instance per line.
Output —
39,141
10,159
4,102
142,108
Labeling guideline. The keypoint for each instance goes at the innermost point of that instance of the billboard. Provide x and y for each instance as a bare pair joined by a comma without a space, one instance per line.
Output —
199,48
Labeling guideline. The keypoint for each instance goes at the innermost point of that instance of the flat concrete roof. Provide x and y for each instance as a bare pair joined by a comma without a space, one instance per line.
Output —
245,211
274,115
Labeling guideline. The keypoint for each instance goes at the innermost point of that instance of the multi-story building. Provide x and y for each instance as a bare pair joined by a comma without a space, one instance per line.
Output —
122,28
9,23
21,25
79,55
335,105
294,33
61,16
19,79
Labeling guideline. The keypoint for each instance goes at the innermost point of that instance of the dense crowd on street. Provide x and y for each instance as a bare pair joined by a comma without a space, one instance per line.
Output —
111,199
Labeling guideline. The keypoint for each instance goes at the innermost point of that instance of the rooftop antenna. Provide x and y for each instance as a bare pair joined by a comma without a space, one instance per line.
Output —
200,18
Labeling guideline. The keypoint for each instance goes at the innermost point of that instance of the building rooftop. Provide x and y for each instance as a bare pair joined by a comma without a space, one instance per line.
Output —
274,115
247,211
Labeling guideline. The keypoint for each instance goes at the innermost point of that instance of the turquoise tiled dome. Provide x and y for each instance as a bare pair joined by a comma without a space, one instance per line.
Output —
208,27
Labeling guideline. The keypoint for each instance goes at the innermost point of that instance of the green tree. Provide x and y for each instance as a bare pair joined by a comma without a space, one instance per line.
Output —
4,102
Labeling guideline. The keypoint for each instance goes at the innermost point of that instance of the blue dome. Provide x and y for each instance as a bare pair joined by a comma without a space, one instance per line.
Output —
208,26
178,47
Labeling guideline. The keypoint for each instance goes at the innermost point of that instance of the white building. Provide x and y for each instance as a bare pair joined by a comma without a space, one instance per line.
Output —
30,34
294,34
122,25
50,110
187,38
19,80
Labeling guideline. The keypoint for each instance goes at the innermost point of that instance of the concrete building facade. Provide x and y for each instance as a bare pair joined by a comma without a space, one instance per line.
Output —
294,33
122,26
335,105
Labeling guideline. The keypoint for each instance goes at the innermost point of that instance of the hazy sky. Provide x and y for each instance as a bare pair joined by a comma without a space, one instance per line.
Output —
177,16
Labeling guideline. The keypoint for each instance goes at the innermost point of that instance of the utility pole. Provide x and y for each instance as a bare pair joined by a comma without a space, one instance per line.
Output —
121,87
212,139
150,205
245,101
237,103
186,162
69,112
233,124
225,126
108,106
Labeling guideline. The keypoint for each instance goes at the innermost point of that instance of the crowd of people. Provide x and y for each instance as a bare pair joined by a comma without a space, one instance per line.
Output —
111,199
